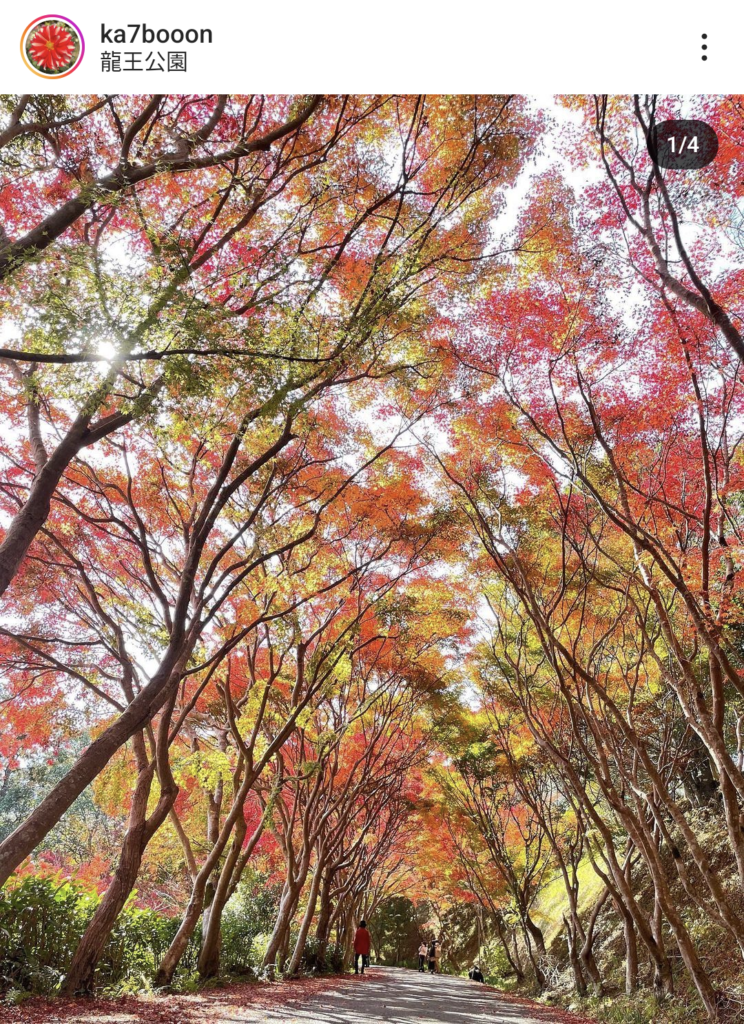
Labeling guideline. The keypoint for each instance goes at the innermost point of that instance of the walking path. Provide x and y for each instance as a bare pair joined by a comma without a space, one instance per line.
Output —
396,996
384,995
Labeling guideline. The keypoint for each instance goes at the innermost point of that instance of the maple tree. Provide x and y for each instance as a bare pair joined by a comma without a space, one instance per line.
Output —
380,522
376,293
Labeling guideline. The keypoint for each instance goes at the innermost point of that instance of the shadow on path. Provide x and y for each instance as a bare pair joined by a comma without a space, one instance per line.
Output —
395,996
386,995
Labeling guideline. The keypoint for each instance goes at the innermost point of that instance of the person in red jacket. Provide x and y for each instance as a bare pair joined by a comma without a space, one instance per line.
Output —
362,946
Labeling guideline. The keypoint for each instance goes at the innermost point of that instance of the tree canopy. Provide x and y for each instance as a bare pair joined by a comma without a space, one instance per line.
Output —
371,533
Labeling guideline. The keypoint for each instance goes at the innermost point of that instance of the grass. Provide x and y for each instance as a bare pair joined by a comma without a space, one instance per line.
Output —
642,1008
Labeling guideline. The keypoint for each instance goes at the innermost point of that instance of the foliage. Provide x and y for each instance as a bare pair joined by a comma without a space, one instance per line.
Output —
42,919
372,508
396,932
247,919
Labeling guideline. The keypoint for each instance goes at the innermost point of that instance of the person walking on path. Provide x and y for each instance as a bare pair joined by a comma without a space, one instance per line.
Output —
423,949
437,955
432,956
362,946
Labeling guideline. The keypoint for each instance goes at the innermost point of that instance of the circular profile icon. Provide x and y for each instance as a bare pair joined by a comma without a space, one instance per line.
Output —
52,46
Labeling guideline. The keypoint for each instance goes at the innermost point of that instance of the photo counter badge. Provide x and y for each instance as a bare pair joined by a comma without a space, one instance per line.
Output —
52,46
683,145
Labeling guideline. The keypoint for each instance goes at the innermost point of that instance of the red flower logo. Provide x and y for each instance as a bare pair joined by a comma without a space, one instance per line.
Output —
52,47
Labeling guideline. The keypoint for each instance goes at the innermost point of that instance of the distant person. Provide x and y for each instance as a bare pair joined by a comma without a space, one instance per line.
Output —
437,954
423,950
432,956
475,973
362,946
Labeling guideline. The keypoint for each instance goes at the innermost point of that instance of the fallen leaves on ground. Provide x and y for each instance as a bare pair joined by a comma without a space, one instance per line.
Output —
553,1014
172,1009
209,1005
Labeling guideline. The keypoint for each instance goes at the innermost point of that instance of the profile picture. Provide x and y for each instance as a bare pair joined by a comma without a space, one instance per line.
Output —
52,46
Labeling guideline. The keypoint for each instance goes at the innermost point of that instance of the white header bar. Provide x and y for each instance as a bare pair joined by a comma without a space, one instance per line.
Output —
387,46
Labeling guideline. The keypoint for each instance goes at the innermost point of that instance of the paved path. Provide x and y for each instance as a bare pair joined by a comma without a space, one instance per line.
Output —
396,996
387,995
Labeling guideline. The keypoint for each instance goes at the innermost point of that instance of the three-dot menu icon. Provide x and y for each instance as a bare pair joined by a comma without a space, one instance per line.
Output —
705,45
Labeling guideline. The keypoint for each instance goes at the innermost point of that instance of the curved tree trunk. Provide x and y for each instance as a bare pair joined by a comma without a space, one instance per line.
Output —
287,907
25,839
586,952
30,518
307,919
514,962
536,933
195,907
232,870
537,969
140,830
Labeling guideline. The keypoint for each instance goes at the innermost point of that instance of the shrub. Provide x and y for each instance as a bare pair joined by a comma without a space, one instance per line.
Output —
332,962
42,920
246,924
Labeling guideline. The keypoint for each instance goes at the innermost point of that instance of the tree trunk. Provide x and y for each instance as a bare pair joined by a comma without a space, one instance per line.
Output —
80,977
504,940
663,981
586,953
631,956
323,928
281,956
287,906
307,920
195,906
573,956
140,830
30,518
536,933
348,936
537,969
209,958
28,835
691,960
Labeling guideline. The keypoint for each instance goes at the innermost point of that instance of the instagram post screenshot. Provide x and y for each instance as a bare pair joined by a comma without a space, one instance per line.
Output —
371,514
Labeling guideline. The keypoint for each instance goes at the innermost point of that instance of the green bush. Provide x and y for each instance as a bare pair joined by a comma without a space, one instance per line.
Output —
137,944
332,962
41,922
247,918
